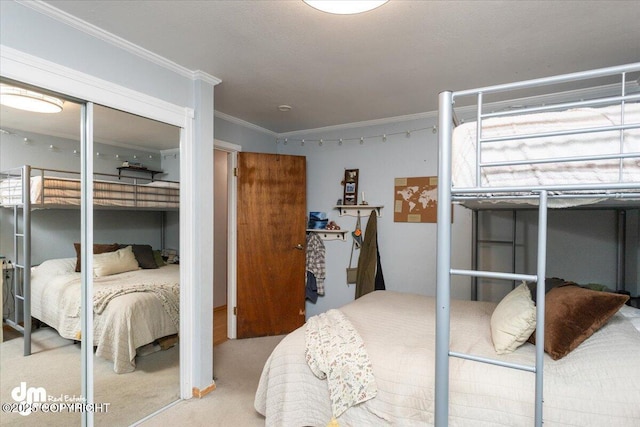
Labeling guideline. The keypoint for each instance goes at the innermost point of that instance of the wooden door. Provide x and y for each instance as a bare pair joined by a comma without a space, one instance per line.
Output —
271,244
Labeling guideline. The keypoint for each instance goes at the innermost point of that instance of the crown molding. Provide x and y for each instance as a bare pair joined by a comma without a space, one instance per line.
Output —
97,32
243,123
205,77
376,122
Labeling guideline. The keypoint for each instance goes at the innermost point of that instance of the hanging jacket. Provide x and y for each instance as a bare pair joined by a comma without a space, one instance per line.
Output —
370,275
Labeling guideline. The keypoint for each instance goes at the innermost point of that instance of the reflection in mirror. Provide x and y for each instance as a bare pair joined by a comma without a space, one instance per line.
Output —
136,279
38,253
136,359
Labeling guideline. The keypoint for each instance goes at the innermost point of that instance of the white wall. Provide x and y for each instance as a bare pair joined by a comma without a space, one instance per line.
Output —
407,251
581,247
251,138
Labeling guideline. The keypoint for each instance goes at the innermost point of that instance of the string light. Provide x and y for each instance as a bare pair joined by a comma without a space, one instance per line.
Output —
384,137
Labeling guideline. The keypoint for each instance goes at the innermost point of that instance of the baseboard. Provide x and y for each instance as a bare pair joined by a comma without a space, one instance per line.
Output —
196,392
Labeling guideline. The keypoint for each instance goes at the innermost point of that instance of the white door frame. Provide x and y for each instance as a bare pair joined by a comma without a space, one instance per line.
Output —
232,227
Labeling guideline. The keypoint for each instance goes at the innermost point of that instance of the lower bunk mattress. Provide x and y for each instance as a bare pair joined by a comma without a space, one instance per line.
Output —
131,309
598,384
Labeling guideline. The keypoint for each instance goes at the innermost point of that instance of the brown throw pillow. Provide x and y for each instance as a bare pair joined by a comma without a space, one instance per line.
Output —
98,248
144,255
573,314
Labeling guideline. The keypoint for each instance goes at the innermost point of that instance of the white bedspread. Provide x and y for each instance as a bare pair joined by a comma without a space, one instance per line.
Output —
598,384
129,320
594,172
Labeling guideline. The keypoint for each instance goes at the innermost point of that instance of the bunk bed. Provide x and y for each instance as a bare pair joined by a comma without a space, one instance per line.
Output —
435,361
559,155
136,300
52,189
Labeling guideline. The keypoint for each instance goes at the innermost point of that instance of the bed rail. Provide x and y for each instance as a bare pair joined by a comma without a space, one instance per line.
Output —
447,193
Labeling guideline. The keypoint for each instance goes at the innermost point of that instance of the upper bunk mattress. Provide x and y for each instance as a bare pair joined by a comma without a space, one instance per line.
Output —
59,192
561,146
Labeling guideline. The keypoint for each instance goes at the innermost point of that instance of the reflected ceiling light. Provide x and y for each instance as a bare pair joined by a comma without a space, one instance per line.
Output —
345,7
29,100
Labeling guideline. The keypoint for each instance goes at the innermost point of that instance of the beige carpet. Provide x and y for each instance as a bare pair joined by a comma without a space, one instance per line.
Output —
55,365
237,368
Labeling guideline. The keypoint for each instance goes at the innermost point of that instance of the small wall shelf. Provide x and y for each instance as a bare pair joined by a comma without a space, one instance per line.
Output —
151,172
362,210
329,234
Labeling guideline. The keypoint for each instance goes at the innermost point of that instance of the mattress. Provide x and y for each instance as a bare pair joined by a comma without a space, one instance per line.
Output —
60,192
127,322
464,155
597,385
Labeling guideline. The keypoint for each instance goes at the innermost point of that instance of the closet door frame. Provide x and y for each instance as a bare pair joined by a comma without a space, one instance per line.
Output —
29,69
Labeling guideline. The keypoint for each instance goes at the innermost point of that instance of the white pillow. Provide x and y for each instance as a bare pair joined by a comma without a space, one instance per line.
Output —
55,267
513,320
119,261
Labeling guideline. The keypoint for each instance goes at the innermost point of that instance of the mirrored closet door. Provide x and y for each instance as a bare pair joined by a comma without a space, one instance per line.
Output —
134,218
135,221
40,146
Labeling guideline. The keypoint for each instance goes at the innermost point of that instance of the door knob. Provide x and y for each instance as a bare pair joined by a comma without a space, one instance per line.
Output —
298,246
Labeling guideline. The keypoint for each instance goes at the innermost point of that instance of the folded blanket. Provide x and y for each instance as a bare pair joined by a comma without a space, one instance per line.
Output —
334,350
167,293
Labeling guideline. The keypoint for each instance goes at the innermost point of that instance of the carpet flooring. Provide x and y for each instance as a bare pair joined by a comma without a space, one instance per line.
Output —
55,366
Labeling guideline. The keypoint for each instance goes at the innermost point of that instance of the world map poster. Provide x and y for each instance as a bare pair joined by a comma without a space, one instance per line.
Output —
416,199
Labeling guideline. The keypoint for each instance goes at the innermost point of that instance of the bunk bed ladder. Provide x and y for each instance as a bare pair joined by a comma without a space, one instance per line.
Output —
21,282
444,273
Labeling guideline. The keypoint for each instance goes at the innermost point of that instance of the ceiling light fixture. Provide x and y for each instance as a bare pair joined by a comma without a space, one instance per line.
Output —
284,107
29,100
345,7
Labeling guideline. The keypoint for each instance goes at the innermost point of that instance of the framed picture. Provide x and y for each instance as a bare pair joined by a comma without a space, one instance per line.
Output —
350,183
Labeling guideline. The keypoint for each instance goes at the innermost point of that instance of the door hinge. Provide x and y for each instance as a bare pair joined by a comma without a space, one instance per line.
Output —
235,171
235,311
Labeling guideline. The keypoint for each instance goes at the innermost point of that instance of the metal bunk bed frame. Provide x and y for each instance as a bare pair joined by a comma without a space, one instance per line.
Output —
21,280
448,194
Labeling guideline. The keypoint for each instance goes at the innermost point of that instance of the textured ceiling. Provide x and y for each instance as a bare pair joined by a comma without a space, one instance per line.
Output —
393,61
